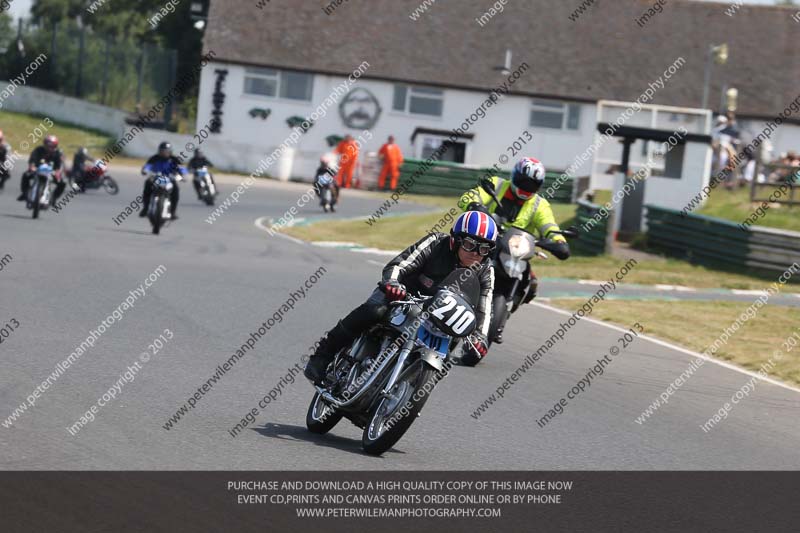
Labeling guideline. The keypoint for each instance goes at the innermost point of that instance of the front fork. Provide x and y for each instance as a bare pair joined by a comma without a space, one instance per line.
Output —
405,351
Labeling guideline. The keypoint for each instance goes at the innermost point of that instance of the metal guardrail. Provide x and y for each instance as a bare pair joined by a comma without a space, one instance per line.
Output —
453,179
716,242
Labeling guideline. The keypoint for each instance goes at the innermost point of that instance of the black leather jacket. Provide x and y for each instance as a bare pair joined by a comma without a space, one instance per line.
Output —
55,158
426,263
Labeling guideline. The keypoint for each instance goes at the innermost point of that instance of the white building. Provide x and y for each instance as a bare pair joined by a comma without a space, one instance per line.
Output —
420,79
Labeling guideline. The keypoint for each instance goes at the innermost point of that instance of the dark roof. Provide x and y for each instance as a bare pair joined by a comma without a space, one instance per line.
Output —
650,134
602,55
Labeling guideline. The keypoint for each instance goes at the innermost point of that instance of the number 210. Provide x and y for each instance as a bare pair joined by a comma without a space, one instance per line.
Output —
459,320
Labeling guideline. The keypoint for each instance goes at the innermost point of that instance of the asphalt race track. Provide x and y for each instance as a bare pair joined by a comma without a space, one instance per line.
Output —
72,269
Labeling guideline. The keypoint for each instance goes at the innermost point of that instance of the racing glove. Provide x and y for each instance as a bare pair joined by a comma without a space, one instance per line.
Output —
559,249
479,343
394,290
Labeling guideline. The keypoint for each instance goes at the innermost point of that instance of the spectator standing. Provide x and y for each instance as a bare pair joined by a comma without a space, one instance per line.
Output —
392,159
348,152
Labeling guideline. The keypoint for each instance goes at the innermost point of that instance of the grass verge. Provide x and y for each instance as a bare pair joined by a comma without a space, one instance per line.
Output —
750,347
397,232
19,127
736,206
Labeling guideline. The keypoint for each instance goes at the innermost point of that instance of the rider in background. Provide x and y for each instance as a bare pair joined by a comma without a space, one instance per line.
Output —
78,164
5,149
199,160
52,154
324,170
527,210
167,165
421,268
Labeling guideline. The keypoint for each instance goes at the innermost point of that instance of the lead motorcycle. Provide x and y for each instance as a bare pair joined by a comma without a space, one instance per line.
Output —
381,382
39,189
160,209
515,248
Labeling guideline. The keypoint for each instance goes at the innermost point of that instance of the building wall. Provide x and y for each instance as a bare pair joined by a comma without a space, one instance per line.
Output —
502,124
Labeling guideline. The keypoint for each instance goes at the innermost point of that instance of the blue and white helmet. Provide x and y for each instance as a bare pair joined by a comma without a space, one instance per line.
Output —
475,224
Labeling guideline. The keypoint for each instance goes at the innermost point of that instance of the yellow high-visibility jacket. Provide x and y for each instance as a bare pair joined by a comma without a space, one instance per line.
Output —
535,215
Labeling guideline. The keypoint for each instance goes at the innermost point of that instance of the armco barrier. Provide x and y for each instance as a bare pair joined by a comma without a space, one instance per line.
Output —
713,241
593,241
453,179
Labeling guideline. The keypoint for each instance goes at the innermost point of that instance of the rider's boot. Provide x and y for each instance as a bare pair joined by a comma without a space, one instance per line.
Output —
498,337
329,346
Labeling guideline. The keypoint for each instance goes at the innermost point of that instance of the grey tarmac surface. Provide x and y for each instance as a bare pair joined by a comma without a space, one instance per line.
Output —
70,270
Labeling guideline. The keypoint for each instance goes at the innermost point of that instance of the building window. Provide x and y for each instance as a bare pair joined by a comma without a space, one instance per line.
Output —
418,100
273,83
555,115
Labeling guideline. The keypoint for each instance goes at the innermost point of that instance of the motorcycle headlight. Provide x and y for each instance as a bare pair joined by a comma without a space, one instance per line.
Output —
519,246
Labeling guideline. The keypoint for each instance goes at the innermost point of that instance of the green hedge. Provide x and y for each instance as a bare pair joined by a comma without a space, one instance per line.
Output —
593,241
453,179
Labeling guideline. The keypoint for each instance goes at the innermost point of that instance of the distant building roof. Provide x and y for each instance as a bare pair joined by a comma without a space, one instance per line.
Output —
604,54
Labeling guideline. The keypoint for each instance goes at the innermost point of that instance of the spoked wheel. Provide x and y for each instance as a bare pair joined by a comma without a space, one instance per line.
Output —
110,185
397,410
321,416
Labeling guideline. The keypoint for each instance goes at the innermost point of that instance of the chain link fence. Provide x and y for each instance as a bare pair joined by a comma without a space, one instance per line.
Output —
104,69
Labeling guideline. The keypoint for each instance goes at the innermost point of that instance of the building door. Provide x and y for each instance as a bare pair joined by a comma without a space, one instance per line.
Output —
632,207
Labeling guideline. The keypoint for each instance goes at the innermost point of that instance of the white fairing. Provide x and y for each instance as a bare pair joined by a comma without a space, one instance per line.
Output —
514,267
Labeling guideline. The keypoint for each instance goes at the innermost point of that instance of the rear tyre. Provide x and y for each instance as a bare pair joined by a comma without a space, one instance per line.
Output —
321,417
388,420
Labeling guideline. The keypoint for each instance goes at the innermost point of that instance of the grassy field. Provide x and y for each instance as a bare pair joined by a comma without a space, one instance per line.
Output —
397,232
750,347
19,127
736,207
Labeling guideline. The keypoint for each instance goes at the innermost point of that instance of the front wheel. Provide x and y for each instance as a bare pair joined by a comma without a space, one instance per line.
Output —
321,416
157,221
110,185
396,411
500,315
37,201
